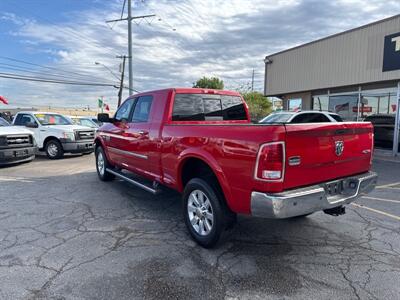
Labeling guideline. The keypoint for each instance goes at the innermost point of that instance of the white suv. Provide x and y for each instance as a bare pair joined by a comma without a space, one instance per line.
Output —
55,133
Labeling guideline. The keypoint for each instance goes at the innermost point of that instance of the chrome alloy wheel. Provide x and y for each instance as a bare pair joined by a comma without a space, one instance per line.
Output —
200,212
52,149
100,163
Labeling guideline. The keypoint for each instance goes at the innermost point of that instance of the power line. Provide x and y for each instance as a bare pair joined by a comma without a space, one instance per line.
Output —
49,80
32,71
123,8
46,67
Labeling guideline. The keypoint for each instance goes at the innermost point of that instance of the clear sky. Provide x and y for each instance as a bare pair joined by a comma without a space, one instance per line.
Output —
62,40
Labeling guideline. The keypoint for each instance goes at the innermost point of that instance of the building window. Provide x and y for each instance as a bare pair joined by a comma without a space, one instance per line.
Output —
345,106
295,104
321,102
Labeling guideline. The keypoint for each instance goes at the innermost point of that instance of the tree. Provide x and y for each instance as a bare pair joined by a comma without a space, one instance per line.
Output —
209,83
259,105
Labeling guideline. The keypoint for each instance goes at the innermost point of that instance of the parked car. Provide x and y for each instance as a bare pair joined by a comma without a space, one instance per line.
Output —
201,143
16,144
311,116
55,133
96,120
383,129
4,122
84,121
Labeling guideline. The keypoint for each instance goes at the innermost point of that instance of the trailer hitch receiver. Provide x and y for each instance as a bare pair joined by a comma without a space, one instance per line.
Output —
336,211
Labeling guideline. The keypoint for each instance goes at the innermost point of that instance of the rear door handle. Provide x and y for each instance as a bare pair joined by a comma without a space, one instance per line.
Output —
143,132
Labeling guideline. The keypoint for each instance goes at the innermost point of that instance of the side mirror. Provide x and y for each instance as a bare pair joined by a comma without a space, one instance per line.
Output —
31,125
104,118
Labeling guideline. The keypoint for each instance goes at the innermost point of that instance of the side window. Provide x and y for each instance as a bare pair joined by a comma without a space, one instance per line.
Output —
142,109
124,110
310,118
300,119
337,117
320,118
233,108
23,119
212,109
188,107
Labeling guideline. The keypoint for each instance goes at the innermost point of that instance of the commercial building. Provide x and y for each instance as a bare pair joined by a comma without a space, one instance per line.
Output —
355,73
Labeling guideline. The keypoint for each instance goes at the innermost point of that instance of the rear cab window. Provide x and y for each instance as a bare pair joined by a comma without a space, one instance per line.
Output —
208,107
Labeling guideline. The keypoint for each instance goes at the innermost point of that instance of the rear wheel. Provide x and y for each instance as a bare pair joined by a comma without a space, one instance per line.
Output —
54,149
203,212
102,165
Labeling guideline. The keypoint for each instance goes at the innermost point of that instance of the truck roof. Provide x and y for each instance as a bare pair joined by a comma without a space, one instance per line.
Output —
38,112
187,90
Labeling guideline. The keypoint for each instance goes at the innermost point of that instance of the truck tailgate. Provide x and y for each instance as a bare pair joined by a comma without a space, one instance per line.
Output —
321,152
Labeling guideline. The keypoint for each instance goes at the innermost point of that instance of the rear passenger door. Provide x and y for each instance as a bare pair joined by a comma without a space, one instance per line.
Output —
138,143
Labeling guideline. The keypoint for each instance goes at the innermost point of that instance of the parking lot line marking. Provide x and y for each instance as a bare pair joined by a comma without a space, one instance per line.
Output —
381,199
387,185
20,179
377,211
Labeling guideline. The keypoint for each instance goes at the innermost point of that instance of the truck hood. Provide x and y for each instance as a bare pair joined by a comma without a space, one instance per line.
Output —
5,130
68,128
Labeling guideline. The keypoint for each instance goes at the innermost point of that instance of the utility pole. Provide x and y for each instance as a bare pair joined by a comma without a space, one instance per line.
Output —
252,81
121,85
130,47
129,19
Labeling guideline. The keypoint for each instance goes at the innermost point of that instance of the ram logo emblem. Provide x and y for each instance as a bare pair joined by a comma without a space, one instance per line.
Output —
339,147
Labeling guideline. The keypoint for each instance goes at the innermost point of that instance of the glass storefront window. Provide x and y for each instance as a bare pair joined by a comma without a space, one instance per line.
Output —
321,102
393,104
295,104
345,106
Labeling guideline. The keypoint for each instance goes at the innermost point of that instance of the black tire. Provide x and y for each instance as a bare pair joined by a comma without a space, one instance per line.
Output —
103,174
54,149
218,210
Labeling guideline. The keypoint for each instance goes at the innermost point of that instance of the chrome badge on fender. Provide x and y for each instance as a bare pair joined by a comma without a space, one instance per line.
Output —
339,147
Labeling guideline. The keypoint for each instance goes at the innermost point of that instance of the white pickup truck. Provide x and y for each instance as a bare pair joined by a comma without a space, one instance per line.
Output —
55,134
16,144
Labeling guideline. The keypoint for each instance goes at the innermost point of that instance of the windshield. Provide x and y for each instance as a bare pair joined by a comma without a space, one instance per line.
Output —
276,118
3,122
52,119
85,122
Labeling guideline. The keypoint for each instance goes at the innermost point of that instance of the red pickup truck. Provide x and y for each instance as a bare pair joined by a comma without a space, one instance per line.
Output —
201,143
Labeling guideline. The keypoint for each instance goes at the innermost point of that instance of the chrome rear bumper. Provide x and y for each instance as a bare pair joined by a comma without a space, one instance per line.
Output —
313,198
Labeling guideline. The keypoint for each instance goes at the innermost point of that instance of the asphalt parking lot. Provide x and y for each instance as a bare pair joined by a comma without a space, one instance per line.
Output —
66,235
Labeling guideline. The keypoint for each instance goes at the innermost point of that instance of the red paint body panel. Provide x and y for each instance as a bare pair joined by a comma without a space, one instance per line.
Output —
230,148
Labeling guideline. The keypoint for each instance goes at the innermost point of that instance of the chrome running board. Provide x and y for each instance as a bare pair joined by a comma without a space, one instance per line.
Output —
154,191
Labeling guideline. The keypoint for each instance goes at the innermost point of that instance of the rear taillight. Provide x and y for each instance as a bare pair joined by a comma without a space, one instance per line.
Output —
270,164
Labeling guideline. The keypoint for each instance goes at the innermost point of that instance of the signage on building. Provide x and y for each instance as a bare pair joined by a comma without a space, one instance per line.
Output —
391,52
365,109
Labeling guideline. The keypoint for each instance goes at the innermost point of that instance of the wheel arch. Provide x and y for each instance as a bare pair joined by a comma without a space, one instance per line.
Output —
50,138
195,165
98,142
